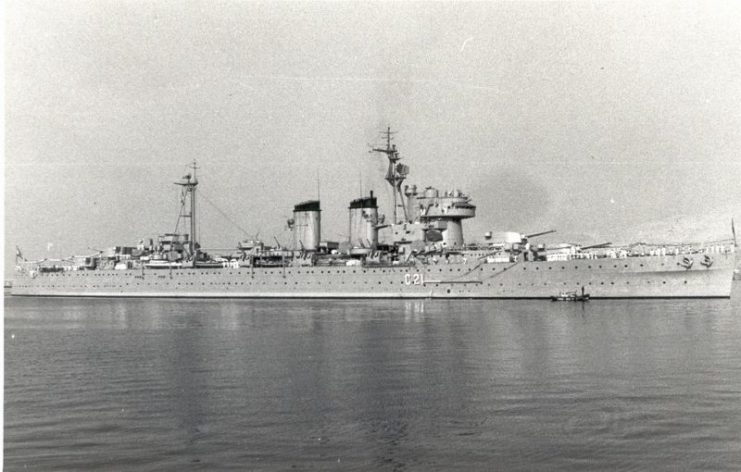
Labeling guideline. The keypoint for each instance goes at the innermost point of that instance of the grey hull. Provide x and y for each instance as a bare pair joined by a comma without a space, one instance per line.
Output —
633,277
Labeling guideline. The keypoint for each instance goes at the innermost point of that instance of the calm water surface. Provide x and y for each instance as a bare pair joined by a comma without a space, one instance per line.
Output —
372,385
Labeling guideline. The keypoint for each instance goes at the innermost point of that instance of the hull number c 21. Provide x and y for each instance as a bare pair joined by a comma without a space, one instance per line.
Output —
414,279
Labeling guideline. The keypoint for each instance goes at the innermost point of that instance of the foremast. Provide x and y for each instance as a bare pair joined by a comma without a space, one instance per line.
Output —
396,173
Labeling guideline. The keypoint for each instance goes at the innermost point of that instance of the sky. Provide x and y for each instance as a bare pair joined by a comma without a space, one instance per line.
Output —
607,121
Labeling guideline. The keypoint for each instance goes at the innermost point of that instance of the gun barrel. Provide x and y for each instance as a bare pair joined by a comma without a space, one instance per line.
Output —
540,234
596,246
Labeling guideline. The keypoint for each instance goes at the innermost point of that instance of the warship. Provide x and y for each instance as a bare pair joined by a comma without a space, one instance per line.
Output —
420,253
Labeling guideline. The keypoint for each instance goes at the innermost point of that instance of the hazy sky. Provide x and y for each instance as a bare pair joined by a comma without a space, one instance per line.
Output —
604,121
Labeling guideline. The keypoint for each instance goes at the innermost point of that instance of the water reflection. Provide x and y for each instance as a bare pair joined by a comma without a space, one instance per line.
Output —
414,310
388,384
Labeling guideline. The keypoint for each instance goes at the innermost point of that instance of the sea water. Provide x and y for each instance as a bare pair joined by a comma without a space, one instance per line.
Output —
136,384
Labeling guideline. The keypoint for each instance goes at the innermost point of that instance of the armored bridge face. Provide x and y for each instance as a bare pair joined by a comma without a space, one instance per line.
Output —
632,277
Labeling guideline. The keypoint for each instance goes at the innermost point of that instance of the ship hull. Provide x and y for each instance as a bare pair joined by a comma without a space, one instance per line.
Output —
633,277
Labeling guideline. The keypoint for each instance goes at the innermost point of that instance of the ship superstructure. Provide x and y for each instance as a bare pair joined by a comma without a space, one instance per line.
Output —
420,253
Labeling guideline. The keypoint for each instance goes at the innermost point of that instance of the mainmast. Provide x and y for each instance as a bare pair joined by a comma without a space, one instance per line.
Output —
397,172
189,183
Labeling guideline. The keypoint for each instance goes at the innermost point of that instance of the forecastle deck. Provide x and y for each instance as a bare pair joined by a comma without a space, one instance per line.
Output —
632,277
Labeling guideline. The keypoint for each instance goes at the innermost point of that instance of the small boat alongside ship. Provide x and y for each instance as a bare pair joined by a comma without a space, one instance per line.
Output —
572,296
419,251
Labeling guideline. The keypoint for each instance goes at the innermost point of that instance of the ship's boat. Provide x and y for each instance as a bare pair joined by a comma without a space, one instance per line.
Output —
572,296
419,251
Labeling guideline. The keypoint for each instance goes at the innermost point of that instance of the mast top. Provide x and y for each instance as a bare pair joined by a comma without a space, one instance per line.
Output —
390,149
189,179
396,172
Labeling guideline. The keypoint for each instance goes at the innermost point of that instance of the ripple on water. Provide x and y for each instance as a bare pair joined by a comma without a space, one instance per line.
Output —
385,385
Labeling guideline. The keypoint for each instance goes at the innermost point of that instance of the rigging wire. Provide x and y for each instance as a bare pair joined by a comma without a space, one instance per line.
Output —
246,233
181,200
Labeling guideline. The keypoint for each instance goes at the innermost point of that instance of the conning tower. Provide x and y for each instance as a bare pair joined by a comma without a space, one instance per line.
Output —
364,222
306,225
